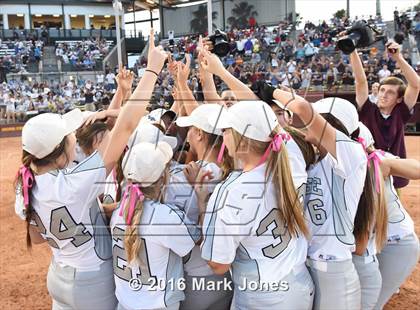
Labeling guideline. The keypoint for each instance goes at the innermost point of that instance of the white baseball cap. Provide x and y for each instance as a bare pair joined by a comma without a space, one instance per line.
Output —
366,135
155,116
252,119
341,109
200,118
145,162
43,133
147,132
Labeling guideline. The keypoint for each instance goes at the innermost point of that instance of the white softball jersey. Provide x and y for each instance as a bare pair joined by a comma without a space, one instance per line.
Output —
111,187
68,216
400,224
332,195
153,280
182,194
242,227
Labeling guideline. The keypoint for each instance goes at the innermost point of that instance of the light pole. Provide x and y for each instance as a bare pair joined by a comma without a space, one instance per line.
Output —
348,9
209,17
378,7
117,9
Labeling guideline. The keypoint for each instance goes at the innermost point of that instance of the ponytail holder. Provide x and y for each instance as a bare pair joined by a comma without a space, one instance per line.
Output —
275,145
132,190
374,156
27,182
221,152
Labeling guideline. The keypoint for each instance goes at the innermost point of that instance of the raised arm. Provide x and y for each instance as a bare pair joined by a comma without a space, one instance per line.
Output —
206,78
187,98
123,93
130,115
362,86
319,131
212,64
405,168
413,80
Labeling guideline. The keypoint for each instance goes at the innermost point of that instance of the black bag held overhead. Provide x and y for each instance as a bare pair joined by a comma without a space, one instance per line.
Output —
360,35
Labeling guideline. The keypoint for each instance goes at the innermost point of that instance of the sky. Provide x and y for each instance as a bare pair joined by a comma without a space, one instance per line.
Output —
315,10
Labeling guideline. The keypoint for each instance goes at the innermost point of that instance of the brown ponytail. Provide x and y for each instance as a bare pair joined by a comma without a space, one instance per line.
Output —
88,135
371,210
305,147
27,160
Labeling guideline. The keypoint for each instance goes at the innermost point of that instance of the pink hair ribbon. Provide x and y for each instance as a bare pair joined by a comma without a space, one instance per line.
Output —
27,182
362,142
135,193
376,161
275,145
221,152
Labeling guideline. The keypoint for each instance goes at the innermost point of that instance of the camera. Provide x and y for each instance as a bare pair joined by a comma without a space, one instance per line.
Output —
220,43
360,35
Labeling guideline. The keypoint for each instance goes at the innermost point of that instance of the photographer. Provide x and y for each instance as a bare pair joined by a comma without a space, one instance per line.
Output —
386,119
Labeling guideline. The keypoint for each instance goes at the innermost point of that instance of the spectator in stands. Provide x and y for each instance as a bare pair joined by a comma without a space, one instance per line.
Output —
373,97
317,81
387,118
383,73
110,81
10,101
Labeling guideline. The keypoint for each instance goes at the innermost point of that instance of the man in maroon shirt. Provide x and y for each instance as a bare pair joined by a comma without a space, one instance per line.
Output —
387,118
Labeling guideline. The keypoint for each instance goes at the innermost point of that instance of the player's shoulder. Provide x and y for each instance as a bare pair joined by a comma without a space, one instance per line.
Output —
163,213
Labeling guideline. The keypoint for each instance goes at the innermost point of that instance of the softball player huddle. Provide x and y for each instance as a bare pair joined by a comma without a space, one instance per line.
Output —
261,216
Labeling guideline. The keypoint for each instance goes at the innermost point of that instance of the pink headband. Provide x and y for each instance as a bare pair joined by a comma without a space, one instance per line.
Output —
135,194
27,182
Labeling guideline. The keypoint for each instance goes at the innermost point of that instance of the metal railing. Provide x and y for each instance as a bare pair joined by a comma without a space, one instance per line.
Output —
58,33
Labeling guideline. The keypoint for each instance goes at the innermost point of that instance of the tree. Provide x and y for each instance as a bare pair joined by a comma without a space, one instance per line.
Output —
340,14
241,14
199,23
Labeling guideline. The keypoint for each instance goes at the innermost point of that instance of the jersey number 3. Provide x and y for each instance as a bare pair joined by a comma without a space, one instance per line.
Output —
279,233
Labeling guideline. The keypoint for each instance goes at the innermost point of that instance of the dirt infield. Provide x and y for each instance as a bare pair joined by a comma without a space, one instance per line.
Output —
23,274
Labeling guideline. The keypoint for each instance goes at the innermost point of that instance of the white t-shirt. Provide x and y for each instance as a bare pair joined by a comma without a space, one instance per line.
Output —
68,216
242,227
333,191
383,74
110,78
165,239
181,193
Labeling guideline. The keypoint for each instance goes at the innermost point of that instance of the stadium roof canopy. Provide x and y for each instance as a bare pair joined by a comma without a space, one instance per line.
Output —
129,5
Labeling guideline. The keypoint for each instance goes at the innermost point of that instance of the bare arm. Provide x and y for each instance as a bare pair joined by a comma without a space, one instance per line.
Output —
212,64
406,168
318,128
206,78
113,145
362,87
413,88
219,269
187,98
